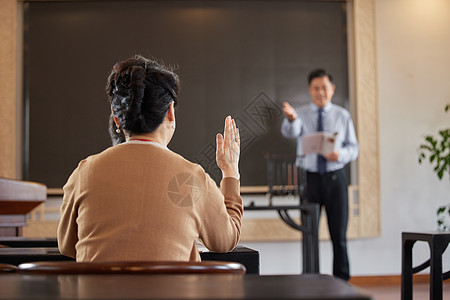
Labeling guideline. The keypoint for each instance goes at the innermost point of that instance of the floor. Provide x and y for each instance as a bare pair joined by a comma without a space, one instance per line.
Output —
421,291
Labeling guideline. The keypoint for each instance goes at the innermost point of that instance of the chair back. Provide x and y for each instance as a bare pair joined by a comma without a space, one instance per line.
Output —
132,267
285,175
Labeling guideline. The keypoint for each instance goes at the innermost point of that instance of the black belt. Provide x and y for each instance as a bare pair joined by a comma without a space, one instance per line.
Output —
330,172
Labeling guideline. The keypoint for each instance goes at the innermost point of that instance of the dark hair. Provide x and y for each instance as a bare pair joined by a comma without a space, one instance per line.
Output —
319,73
140,91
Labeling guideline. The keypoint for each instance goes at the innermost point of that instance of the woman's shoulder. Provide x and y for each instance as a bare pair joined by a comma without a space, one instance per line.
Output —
93,158
154,153
189,164
163,154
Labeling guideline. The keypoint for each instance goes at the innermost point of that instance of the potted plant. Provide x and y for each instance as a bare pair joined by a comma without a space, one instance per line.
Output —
436,149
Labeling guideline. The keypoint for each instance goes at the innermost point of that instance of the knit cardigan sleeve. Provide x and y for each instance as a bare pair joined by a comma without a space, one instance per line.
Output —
222,215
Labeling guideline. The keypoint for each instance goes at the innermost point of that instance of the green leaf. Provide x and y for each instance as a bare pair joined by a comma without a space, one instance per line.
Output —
430,139
432,157
425,147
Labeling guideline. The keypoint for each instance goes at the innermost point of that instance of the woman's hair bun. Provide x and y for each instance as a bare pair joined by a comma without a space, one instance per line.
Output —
140,91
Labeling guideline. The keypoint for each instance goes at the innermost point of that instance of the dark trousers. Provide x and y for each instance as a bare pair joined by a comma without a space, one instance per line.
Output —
330,190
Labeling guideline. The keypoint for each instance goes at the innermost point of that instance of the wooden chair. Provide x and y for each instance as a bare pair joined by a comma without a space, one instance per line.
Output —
285,175
7,268
132,267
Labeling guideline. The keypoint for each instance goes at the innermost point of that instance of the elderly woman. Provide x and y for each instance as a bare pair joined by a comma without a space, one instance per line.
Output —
140,201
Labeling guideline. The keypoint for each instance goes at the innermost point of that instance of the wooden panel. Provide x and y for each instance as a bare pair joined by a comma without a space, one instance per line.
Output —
367,116
8,69
257,230
40,229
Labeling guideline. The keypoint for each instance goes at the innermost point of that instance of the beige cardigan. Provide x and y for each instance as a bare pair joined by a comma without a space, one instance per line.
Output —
139,201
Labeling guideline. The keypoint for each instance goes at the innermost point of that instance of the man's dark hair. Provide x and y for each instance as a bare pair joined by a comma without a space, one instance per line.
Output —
319,73
140,91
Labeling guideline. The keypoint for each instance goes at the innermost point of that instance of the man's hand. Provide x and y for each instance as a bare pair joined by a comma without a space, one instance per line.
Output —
289,111
332,156
228,149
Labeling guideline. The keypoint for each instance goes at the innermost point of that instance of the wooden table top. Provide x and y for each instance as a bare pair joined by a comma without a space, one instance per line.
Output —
306,286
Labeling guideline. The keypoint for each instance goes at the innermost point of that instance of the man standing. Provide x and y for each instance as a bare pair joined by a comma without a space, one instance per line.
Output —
326,177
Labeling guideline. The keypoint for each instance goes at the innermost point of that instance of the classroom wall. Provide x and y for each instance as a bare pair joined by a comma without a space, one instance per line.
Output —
413,42
413,59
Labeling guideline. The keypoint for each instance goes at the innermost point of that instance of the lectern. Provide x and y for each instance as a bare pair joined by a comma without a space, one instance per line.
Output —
17,199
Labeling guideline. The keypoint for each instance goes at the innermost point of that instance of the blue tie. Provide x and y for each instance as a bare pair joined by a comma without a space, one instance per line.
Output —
321,161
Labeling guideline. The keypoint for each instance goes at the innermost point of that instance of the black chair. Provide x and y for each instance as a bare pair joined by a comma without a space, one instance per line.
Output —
285,176
438,242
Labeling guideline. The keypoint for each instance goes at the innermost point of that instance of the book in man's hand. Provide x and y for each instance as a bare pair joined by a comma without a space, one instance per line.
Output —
319,142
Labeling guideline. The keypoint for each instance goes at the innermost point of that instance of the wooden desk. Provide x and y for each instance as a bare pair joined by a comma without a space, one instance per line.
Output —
17,199
305,286
15,256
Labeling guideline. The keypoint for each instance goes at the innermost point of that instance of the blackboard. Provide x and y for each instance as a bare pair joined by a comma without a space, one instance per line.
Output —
242,58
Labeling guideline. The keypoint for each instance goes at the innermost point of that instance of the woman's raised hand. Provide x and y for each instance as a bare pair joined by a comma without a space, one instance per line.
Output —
228,149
